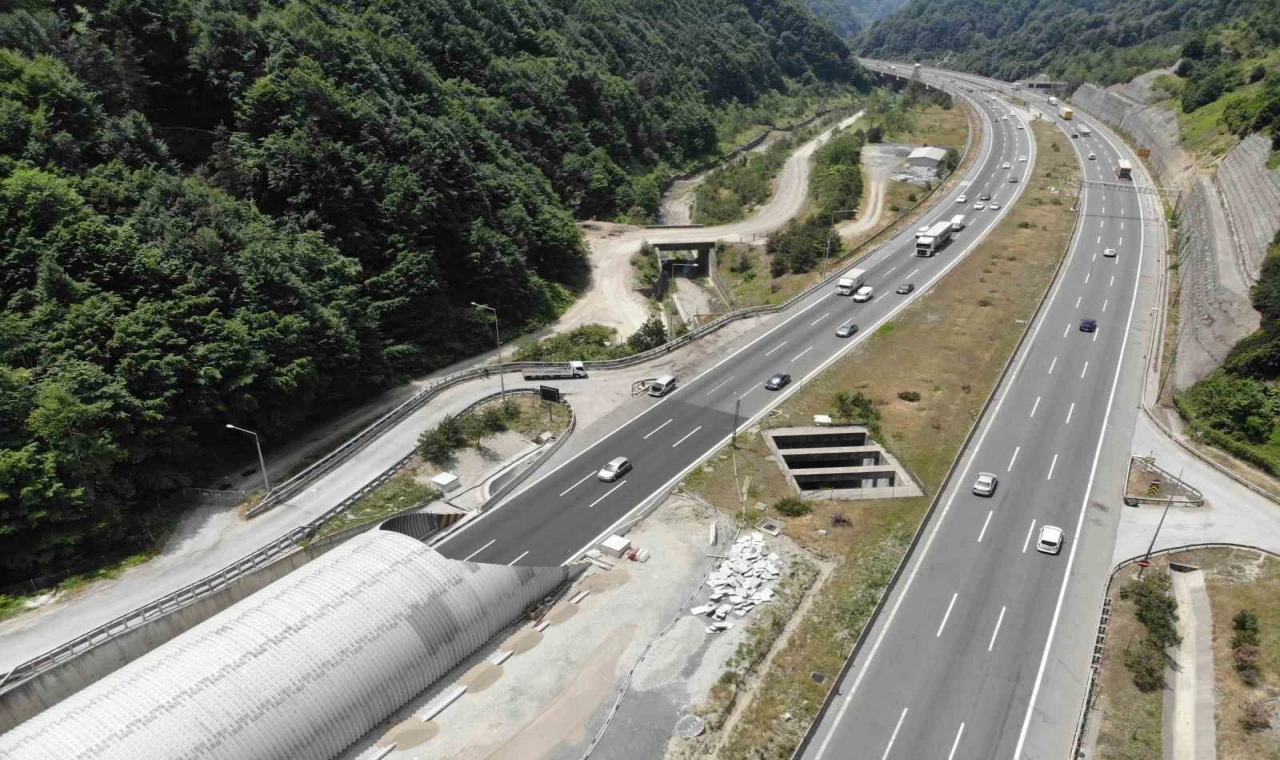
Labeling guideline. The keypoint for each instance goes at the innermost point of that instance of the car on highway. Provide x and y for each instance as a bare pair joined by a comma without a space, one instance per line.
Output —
1075,135
778,381
1050,540
864,294
616,468
984,197
846,329
1088,325
1093,156
1019,125
1004,118
986,484
1006,165
979,206
905,288
1109,252
962,199
1013,178
1022,158
993,206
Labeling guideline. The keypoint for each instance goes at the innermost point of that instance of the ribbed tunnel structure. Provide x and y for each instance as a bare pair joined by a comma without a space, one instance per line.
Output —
301,669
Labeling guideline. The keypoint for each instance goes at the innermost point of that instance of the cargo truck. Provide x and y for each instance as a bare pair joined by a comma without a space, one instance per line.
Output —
1066,113
1084,130
957,222
939,234
1053,101
565,371
850,282
1124,169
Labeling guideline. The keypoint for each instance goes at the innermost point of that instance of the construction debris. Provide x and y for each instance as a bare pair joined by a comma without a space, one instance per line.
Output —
742,581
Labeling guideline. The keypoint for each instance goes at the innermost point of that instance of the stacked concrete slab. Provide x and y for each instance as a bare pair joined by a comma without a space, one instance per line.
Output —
1150,126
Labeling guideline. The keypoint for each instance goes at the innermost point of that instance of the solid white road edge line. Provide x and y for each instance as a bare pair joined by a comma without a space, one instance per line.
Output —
1088,492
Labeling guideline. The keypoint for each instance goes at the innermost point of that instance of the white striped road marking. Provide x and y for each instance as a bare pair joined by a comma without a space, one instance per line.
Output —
580,482
1013,458
894,737
646,437
606,495
775,348
1086,368
802,353
981,533
686,436
477,551
999,620
1052,465
1035,406
1069,413
943,624
1053,364
718,387
956,743
517,559
819,319
1027,542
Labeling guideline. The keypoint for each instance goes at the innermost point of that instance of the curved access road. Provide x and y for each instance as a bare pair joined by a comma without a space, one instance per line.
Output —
983,647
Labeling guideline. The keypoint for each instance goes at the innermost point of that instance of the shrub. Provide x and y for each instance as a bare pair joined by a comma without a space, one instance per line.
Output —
855,406
838,519
912,396
1245,658
1245,620
1146,662
984,302
1257,716
911,197
1155,608
792,507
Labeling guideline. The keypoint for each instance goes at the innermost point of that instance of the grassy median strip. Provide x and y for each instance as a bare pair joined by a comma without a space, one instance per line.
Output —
926,375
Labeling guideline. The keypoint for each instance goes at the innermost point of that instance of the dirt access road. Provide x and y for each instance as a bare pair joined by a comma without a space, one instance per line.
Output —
612,300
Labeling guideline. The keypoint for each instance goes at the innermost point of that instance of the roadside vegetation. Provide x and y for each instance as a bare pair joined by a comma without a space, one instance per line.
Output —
592,343
916,385
396,495
524,414
1130,699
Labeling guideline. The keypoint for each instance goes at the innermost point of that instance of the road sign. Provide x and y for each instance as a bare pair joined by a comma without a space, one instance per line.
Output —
548,393
1144,563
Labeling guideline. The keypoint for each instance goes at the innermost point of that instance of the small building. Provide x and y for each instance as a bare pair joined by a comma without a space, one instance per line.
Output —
928,158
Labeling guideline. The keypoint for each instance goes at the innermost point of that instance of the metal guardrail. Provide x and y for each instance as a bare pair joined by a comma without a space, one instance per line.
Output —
217,581
810,733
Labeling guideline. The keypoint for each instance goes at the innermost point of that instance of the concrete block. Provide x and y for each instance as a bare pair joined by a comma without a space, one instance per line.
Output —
446,482
615,546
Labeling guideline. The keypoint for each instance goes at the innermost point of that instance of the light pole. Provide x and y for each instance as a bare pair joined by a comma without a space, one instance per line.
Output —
262,463
497,339
1147,559
831,227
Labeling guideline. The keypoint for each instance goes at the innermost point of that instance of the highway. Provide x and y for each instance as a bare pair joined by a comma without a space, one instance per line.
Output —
959,656
567,511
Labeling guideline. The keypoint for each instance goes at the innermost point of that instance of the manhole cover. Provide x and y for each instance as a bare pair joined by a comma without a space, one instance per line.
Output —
690,726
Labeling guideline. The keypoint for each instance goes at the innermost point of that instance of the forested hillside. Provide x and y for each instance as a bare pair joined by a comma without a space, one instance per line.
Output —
252,211
852,16
1102,41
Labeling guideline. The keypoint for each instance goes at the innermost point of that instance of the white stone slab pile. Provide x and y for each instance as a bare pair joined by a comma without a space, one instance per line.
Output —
742,581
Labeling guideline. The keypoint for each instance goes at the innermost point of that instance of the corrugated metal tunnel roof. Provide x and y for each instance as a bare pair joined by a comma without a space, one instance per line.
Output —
301,669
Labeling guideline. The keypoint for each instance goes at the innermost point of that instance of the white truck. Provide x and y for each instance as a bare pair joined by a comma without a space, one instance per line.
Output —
939,234
1053,101
850,282
1084,129
957,222
565,371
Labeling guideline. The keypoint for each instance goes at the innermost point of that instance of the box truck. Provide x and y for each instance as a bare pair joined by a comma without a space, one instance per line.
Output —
850,282
1066,113
565,371
1084,130
1124,169
939,234
957,222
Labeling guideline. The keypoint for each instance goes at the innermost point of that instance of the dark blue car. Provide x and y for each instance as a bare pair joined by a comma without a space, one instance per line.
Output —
1088,325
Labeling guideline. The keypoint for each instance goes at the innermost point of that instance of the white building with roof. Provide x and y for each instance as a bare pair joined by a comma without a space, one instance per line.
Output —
928,158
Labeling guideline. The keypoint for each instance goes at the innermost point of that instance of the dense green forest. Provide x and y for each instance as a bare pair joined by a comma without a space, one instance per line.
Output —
1102,41
1238,407
255,211
849,17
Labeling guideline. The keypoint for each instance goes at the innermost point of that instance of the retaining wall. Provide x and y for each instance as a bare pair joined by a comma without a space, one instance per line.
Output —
1251,195
1148,126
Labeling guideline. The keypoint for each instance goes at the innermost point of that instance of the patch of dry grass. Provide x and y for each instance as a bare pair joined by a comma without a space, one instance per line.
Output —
936,125
950,346
1130,728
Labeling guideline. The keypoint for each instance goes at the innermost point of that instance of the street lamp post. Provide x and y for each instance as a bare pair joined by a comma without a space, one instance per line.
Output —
1147,559
262,463
497,339
831,227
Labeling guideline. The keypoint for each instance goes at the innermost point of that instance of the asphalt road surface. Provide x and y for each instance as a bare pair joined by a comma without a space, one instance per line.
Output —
568,510
953,669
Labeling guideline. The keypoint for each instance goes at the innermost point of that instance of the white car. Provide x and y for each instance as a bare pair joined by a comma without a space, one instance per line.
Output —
1049,540
1022,158
962,199
1006,165
1005,117
1019,126
1093,156
864,294
986,484
993,206
1109,253
979,206
617,467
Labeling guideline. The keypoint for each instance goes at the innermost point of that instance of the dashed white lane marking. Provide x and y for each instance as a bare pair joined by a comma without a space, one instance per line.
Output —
1013,458
477,551
713,390
943,624
1052,465
686,436
775,348
580,482
894,737
1070,412
996,632
607,494
646,437
517,559
1027,542
1035,406
819,319
983,532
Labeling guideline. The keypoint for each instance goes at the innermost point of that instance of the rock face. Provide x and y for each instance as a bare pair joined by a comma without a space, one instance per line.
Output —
1226,222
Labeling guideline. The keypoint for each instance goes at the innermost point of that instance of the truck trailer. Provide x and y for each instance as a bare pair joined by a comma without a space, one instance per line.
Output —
850,282
939,234
566,371
1066,113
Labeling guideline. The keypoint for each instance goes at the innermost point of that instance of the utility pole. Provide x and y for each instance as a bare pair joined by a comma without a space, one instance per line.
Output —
737,404
497,339
831,228
262,463
1147,559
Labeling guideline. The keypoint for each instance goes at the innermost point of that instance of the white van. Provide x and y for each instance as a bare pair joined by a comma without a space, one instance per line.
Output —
662,386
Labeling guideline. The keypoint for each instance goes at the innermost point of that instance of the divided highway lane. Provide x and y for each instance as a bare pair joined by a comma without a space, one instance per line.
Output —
568,510
951,670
